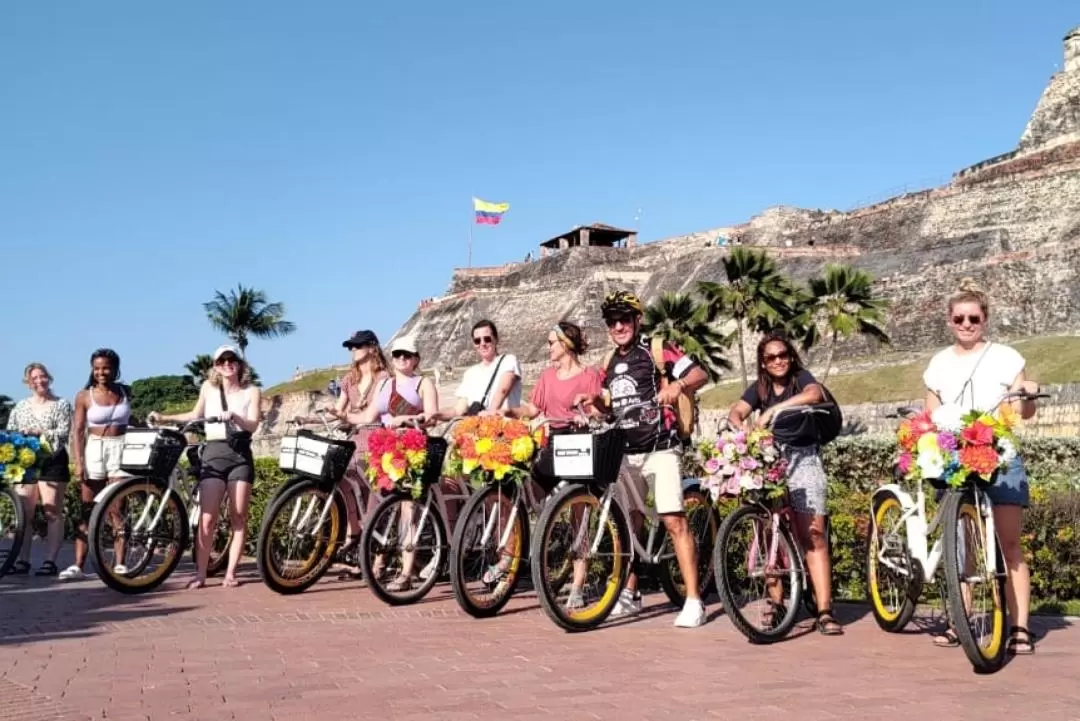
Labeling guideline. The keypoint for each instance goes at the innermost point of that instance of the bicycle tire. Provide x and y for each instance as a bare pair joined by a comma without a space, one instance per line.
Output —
368,543
538,554
675,590
18,527
323,556
457,554
957,504
727,596
132,583
889,619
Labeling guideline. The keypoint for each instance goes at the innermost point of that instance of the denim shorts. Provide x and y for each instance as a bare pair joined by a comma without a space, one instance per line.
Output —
1010,489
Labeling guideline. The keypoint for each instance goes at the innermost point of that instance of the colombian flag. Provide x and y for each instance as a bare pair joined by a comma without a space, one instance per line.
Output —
489,213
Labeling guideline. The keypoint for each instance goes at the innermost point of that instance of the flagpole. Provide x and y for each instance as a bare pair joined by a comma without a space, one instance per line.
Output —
472,220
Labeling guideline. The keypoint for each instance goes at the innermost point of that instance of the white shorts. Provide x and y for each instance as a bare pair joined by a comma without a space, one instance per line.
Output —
660,472
103,457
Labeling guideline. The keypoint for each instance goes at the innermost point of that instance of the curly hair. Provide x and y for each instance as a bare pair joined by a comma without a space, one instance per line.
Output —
243,374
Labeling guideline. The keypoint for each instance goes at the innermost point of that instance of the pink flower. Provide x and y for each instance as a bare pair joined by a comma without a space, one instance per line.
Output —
904,462
712,466
747,463
740,448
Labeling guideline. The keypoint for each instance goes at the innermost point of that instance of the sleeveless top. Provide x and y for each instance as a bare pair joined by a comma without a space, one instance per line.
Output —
400,399
238,402
98,416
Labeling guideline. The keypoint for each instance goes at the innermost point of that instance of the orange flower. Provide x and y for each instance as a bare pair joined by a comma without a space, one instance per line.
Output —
983,460
514,429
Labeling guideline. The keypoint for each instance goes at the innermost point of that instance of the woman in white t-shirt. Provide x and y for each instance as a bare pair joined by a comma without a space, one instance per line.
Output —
975,374
495,382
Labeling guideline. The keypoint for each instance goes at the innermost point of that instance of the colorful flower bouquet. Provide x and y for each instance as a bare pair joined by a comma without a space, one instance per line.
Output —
740,461
396,459
950,446
488,447
21,456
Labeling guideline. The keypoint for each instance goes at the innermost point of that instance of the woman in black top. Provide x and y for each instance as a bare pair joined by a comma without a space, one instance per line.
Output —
782,382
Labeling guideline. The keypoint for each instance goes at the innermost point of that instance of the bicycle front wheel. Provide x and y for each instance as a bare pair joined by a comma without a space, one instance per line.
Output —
491,540
12,528
579,561
974,581
299,536
137,535
403,548
759,574
893,577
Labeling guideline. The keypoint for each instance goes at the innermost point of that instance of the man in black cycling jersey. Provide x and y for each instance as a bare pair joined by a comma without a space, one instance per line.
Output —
652,443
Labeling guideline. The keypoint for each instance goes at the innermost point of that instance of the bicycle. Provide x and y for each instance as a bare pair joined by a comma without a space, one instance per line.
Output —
899,551
393,529
772,554
157,506
589,520
495,543
12,527
303,531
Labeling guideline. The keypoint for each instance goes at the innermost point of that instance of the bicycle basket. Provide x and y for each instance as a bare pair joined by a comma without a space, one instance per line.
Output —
314,456
152,452
592,457
436,454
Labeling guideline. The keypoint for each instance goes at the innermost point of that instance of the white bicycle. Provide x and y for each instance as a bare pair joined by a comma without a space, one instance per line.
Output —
901,560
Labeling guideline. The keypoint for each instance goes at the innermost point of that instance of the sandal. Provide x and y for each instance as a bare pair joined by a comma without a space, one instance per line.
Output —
827,625
230,583
21,568
47,568
194,583
1026,648
777,610
401,583
947,639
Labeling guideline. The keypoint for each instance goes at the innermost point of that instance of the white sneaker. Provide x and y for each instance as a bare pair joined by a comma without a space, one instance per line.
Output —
426,571
692,614
71,573
629,604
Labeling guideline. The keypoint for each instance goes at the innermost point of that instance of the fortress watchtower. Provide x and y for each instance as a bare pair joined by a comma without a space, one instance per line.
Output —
595,234
1072,51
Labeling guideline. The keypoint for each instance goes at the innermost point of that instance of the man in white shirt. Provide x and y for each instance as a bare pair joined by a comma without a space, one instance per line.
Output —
495,382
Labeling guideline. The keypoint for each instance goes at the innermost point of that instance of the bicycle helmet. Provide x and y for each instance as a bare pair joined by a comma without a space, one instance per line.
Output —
620,301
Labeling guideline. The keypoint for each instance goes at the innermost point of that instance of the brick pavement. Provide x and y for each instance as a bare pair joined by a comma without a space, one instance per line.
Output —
80,651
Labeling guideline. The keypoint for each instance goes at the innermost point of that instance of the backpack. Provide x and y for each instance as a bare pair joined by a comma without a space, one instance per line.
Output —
686,407
812,430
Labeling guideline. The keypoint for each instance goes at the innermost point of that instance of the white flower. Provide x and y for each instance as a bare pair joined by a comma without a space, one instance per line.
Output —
930,464
948,417
1007,450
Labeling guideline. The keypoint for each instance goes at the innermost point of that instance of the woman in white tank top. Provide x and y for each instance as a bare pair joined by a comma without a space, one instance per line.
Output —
227,463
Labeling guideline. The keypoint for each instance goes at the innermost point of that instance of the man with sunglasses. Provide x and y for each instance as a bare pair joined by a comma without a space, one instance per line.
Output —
495,382
653,447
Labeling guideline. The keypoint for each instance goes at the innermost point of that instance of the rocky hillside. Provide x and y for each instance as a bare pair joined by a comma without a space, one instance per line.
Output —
1012,222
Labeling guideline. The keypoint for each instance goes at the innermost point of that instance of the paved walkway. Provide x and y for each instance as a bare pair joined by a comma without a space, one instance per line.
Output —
81,651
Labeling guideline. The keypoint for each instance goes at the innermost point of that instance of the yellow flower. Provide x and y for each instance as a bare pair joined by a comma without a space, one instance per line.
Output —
521,450
390,469
927,442
416,459
500,471
27,457
14,474
1007,416
483,446
469,465
7,453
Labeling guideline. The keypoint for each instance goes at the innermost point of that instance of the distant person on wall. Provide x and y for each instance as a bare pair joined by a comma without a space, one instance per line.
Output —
332,388
356,406
48,417
228,465
974,374
102,414
492,384
652,457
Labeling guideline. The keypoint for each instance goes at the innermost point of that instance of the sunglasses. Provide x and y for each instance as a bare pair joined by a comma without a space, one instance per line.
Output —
616,319
971,319
226,359
483,339
773,357
403,354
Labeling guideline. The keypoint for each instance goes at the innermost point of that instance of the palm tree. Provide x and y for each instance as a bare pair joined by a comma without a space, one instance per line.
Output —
842,303
757,296
199,367
6,404
246,312
678,319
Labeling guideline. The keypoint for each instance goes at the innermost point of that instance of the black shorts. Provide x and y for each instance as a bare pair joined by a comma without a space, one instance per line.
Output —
221,461
55,470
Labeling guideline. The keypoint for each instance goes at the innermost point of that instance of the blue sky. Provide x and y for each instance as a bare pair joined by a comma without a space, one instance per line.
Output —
151,153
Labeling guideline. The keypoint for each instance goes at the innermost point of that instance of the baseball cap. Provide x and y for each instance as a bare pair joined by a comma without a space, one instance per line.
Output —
405,343
361,338
222,350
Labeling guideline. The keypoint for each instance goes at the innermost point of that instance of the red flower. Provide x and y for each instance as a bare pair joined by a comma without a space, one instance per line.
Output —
978,434
414,440
921,424
983,460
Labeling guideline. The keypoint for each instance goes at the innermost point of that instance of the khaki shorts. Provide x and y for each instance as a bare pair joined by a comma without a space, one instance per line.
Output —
660,472
102,457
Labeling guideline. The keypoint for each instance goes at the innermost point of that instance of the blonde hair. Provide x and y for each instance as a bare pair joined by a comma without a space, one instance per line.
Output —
970,292
35,366
381,366
244,374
